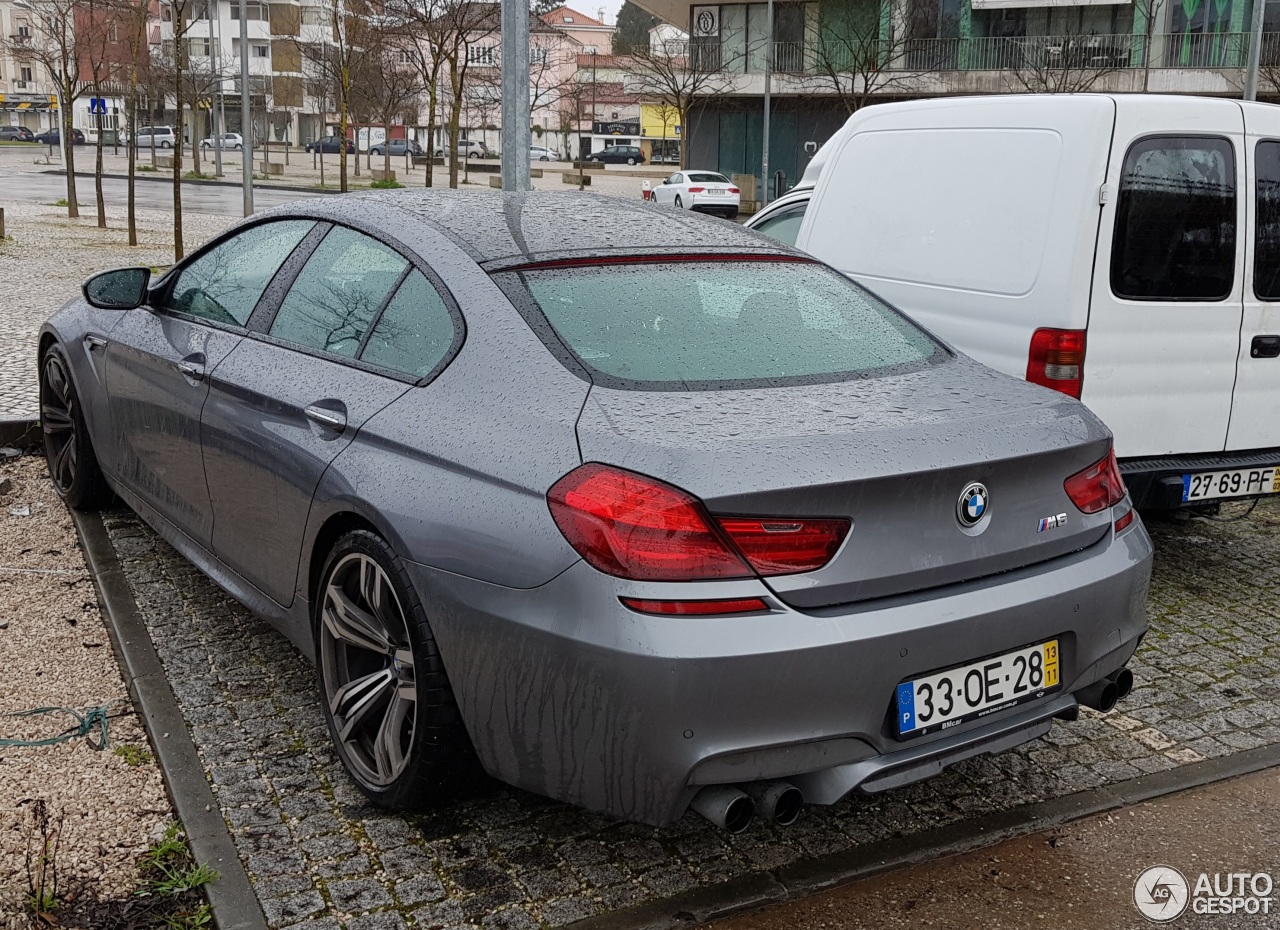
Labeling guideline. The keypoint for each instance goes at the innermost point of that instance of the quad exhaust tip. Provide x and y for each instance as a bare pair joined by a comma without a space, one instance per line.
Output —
779,801
725,806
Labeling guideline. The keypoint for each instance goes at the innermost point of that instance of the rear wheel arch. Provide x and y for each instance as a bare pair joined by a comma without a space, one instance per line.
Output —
333,529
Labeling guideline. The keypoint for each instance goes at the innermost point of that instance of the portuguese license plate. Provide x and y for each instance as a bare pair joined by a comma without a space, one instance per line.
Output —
1238,482
717,191
946,699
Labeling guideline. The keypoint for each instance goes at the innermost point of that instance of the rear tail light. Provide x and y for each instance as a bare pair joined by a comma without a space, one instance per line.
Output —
734,190
1124,521
1056,360
737,605
1097,487
784,546
636,527
696,190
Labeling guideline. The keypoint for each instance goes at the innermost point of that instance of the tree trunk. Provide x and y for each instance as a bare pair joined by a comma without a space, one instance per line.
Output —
342,144
684,134
131,151
68,137
178,251
196,136
431,128
386,148
97,177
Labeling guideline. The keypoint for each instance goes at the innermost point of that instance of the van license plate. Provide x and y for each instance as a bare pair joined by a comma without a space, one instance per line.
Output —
1238,482
947,699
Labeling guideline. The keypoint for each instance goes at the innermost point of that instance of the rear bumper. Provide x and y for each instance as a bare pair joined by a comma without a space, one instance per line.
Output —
568,694
1156,483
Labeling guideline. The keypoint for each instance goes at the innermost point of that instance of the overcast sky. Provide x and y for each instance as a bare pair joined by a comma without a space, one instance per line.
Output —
594,7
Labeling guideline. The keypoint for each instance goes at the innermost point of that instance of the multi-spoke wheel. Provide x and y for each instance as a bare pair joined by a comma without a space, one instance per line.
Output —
397,731
67,447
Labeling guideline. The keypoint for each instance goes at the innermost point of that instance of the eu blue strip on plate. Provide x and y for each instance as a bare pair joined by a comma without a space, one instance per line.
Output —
906,707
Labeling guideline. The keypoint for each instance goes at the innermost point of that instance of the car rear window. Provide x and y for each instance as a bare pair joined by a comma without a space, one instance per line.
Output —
708,178
705,325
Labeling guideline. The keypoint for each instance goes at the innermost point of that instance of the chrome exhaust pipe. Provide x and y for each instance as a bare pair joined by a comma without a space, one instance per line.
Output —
1101,695
725,806
1124,683
779,801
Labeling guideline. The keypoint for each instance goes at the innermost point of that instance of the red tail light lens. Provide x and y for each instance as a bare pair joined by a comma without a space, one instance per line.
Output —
1056,360
627,525
1124,521
782,546
696,190
734,190
738,605
1097,487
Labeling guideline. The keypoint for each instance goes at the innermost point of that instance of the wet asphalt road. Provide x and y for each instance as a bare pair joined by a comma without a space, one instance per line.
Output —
1079,876
225,200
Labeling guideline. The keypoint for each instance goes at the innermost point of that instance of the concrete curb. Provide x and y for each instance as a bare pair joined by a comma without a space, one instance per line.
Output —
231,897
805,878
20,432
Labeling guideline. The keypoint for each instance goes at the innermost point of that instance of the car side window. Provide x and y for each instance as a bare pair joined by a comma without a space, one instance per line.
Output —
1266,252
1175,232
339,291
677,179
225,283
414,332
784,225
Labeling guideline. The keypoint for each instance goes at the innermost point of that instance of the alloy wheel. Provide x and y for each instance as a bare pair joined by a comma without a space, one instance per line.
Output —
368,672
57,417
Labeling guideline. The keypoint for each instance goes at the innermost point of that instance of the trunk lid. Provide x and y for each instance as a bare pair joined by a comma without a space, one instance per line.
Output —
892,454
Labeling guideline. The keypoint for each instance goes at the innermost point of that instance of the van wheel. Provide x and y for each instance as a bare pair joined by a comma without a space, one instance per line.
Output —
387,700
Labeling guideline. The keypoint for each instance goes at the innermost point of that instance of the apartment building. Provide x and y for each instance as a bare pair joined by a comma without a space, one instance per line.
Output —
831,57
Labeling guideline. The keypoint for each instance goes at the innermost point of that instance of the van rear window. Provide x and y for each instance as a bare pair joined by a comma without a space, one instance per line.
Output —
1266,253
1175,234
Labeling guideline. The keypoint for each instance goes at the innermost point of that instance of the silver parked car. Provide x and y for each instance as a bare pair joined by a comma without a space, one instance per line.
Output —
680,518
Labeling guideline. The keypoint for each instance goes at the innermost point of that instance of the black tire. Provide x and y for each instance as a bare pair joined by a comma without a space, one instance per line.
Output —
68,448
239,148
631,161
438,757
679,203
166,145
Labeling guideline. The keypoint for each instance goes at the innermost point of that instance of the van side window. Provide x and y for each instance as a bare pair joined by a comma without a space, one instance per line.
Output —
1175,236
1266,253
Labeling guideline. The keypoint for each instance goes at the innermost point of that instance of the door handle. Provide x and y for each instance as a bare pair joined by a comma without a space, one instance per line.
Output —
325,418
1265,347
191,370
94,342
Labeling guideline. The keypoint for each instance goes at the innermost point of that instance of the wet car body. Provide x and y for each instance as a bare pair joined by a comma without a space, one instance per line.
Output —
564,690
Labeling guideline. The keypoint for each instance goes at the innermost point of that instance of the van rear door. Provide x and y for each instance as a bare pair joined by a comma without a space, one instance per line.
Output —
1255,406
1166,306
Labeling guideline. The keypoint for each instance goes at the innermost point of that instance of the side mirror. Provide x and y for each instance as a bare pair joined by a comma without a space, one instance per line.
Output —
121,289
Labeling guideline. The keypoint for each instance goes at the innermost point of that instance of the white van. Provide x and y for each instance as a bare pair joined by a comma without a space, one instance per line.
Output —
1121,249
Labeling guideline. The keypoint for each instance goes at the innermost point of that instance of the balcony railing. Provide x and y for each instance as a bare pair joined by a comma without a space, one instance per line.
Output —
1081,53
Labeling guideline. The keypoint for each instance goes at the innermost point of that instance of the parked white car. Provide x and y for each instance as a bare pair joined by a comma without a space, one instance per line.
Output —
230,140
542,153
703,191
1121,249
469,148
161,137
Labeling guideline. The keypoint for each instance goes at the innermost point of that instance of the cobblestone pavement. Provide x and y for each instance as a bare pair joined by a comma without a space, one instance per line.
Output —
321,858
46,258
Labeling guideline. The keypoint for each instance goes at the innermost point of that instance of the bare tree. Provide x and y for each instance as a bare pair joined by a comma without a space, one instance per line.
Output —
424,39
387,83
680,75
174,66
860,53
469,29
575,96
58,49
132,18
335,64
1067,63
98,38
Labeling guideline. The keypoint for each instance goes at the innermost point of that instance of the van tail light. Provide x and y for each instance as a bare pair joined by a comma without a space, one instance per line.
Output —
632,526
1056,360
1097,487
696,190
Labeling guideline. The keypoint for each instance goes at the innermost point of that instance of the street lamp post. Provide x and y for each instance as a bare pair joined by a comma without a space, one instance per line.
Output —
515,95
1255,50
768,78
216,116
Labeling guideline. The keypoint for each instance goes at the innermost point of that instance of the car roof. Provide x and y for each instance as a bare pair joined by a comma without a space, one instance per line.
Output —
501,229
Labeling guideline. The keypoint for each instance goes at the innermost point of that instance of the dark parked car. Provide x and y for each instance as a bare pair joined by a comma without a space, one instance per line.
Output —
329,144
674,517
53,137
16,134
618,155
398,147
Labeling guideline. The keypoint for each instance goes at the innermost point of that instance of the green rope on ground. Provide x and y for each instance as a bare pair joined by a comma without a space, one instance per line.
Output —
85,723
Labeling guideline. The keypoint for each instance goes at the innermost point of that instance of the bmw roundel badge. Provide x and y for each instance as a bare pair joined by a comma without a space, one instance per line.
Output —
973,504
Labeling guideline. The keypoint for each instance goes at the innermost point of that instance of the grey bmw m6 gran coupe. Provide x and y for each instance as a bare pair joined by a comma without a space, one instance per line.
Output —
641,511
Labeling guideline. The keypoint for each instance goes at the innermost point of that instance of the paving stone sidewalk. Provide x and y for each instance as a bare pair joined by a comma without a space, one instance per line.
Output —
320,858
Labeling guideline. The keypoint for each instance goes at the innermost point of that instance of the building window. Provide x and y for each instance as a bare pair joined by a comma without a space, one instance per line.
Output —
198,47
313,16
24,75
537,56
254,9
260,50
403,57
480,55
